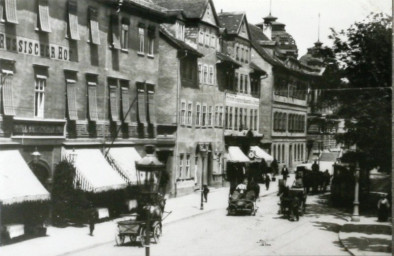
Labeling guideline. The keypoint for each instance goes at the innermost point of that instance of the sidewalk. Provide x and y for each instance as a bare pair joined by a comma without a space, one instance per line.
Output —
367,237
64,241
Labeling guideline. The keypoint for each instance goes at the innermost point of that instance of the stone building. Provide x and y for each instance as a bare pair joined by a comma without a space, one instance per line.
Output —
196,98
79,78
285,90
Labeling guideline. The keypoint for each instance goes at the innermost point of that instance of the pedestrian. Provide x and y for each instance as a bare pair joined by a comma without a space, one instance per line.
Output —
205,192
267,181
92,220
383,208
285,173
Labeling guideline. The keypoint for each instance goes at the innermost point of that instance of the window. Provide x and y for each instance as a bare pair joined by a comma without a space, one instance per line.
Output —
241,83
220,116
151,103
151,40
189,113
92,98
247,56
39,96
237,52
251,119
73,20
10,11
230,119
256,116
213,41
124,37
187,166
241,125
236,119
283,153
246,86
236,86
279,154
246,126
141,100
226,125
94,31
115,38
216,115
205,74
7,96
113,99
201,36
242,54
43,16
183,113
141,38
210,109
200,75
71,96
124,90
207,37
211,74
180,173
204,115
198,114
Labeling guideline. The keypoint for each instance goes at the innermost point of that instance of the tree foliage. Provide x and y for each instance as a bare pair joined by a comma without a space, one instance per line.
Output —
363,58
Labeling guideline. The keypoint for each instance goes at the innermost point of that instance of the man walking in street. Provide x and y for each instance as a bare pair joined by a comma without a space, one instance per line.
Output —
205,192
92,220
267,181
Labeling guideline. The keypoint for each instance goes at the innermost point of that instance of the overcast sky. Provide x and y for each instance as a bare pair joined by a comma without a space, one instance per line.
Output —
301,16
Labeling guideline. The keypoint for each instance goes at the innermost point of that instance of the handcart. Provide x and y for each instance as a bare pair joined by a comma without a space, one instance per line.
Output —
135,230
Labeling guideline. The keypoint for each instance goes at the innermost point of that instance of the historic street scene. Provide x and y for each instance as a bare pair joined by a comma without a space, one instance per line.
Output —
196,127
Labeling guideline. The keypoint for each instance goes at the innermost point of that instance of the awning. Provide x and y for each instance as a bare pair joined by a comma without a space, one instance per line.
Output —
123,159
236,155
17,182
93,172
260,153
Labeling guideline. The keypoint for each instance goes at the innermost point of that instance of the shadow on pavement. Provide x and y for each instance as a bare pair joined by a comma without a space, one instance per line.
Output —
368,244
328,226
369,229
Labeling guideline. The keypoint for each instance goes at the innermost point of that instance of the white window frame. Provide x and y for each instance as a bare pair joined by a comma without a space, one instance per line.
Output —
205,74
221,114
213,41
200,73
187,166
210,114
204,115
211,74
201,36
151,46
180,170
39,92
198,114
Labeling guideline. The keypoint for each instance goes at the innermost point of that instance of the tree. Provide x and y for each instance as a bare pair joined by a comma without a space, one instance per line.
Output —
363,53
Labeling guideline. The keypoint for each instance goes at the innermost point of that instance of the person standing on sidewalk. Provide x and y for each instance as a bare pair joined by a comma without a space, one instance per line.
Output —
267,181
205,192
383,208
92,220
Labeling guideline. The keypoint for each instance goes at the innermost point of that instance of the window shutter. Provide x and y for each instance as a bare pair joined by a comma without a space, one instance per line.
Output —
115,31
10,11
151,104
8,103
43,10
73,19
125,103
94,26
92,94
113,98
141,103
72,100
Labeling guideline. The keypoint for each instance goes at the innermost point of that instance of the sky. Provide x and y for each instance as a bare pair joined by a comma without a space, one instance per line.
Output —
301,16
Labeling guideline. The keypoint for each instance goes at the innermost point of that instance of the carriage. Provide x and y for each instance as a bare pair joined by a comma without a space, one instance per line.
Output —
242,203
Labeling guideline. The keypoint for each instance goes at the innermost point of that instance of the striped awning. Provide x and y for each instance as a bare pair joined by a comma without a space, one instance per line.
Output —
236,155
18,183
93,172
123,160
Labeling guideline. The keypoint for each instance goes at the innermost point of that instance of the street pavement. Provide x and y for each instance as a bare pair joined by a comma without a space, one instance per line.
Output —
65,241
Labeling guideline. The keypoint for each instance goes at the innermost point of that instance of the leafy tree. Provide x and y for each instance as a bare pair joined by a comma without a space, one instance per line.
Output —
363,55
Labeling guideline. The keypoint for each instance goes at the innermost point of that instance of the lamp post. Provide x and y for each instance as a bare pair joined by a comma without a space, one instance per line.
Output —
149,170
356,203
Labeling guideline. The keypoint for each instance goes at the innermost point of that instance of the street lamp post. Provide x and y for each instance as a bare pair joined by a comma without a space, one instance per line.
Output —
356,203
149,170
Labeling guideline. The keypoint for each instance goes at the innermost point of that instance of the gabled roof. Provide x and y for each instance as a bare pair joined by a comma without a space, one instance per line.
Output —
179,44
232,22
192,9
225,58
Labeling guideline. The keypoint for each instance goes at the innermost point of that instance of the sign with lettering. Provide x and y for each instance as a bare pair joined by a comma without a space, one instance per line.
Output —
38,129
33,47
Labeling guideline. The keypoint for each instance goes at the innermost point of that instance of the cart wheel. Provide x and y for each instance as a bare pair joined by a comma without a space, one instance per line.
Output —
119,239
143,240
157,232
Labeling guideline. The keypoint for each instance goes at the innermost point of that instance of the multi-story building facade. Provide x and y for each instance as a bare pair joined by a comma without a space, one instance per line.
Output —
198,101
75,77
274,50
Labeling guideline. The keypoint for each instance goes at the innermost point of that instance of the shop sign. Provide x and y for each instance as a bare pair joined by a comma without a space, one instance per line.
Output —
38,129
32,47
